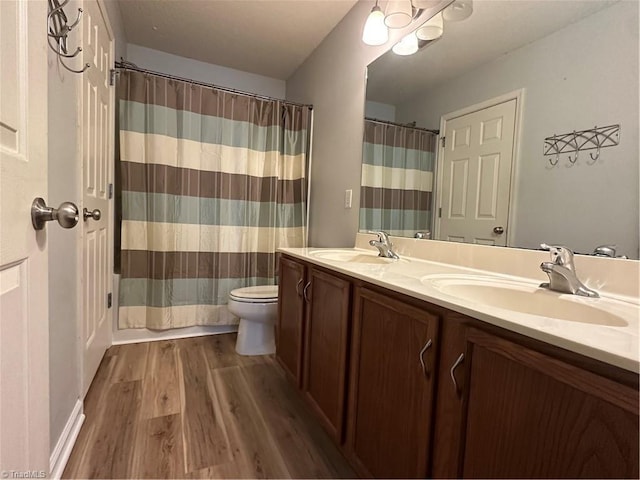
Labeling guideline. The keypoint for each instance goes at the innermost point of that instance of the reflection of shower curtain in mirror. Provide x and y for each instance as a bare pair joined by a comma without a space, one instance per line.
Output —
212,184
397,179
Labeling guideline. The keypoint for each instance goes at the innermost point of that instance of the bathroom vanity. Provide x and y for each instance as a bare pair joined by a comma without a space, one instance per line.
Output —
415,382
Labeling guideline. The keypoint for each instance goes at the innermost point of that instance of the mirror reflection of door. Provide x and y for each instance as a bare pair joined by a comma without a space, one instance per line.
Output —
475,180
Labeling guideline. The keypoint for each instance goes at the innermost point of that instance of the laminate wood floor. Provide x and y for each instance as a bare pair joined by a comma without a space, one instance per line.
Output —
193,408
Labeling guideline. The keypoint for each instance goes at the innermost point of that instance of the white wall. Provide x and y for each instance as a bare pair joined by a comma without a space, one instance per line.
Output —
205,72
380,111
569,85
333,80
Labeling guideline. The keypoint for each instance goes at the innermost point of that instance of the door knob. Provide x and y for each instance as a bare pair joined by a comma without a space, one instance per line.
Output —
498,230
66,214
95,214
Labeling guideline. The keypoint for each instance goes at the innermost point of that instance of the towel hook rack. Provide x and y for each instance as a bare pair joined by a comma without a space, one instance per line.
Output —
595,138
58,31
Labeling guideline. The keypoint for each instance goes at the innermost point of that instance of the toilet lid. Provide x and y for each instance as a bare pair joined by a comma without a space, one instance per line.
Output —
259,294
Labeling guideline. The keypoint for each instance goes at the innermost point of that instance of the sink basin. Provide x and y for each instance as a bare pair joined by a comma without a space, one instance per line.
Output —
353,256
530,299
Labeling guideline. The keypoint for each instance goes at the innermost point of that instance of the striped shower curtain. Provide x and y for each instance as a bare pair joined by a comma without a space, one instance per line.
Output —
212,183
397,179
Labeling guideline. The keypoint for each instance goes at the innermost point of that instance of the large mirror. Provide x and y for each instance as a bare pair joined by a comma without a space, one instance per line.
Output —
512,90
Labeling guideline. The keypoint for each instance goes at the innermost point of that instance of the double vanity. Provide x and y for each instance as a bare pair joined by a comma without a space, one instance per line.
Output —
465,366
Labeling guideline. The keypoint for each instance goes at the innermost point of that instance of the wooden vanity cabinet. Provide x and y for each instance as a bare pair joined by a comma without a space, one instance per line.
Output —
412,390
290,325
314,313
393,355
328,313
515,412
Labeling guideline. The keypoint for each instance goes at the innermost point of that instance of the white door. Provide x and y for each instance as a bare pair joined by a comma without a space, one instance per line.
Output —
97,155
24,324
476,176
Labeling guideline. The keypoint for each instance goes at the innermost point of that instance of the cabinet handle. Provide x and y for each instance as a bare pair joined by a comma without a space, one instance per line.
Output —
304,292
298,291
452,372
422,352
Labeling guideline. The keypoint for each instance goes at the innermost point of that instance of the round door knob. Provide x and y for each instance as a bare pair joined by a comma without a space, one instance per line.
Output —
66,214
95,214
498,230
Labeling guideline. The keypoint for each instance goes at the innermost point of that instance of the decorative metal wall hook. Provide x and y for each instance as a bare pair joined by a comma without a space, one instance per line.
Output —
58,30
594,138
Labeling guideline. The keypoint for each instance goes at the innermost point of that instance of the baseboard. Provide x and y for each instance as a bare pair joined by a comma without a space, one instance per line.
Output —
67,440
137,335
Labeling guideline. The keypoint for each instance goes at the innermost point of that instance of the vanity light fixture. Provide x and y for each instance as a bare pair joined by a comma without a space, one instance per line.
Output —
375,31
407,46
432,29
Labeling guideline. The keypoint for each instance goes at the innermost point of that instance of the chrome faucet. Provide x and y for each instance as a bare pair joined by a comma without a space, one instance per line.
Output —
384,245
607,251
562,273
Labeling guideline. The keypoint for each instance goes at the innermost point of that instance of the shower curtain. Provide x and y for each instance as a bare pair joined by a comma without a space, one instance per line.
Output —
397,179
212,183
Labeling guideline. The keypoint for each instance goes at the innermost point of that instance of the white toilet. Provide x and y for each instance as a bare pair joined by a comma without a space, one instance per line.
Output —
257,308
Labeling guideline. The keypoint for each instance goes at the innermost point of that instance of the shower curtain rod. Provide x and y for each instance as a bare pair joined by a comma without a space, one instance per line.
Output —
395,124
125,65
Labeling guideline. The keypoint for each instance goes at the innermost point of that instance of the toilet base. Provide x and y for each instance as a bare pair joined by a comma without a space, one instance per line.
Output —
255,338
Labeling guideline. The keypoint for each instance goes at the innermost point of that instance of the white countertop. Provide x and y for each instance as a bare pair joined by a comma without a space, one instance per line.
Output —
613,344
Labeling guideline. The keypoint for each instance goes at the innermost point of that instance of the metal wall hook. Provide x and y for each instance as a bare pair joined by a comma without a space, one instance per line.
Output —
577,148
77,21
594,138
59,29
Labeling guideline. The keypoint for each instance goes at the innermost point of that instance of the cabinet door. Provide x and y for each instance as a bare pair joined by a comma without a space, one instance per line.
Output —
290,317
326,343
533,416
391,387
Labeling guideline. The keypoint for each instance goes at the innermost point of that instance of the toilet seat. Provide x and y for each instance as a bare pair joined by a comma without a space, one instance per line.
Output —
259,294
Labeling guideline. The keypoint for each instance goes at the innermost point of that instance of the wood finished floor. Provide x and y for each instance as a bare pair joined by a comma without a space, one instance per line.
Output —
193,408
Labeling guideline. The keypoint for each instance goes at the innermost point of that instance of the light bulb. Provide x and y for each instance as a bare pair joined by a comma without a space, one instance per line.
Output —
407,46
432,29
375,31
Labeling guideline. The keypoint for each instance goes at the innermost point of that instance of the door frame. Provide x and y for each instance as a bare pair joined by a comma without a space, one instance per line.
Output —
82,392
518,96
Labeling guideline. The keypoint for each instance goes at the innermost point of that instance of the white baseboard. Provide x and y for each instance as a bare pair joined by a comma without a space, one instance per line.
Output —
67,440
137,335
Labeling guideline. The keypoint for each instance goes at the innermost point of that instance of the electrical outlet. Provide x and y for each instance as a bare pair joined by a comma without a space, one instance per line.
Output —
348,196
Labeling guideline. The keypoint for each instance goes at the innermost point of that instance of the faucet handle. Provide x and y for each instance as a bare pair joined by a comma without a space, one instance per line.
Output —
382,236
560,255
605,251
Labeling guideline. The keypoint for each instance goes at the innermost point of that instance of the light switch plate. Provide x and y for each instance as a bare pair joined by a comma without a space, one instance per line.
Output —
348,196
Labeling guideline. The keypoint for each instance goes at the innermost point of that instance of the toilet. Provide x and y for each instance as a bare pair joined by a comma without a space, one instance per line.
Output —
257,308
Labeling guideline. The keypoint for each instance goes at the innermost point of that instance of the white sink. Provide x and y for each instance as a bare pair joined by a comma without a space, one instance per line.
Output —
529,299
353,256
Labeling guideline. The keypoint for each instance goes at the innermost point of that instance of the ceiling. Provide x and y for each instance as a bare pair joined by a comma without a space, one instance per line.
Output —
495,28
267,37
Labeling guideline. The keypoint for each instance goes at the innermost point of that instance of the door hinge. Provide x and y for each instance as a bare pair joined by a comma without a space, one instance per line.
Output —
109,300
440,212
112,76
443,142
111,190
